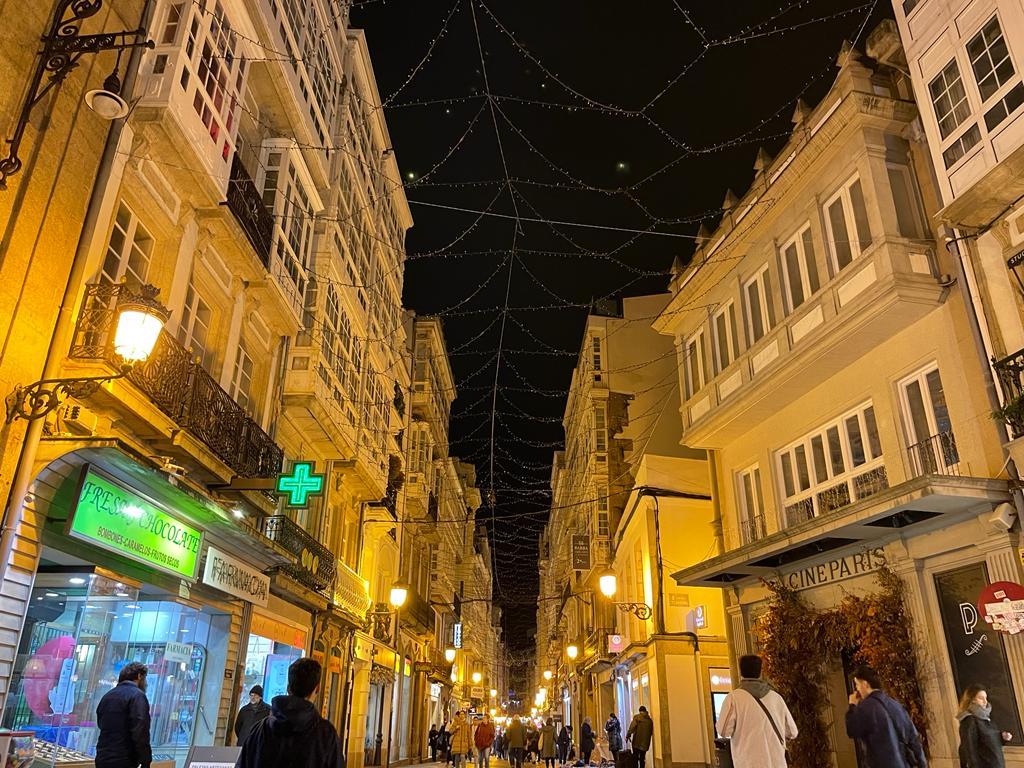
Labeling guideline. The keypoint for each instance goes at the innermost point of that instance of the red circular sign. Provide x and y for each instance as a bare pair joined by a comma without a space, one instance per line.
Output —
1008,620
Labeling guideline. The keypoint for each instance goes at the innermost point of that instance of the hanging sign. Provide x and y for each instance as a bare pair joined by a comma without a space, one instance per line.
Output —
476,692
229,575
457,634
112,516
1001,604
299,484
616,643
580,553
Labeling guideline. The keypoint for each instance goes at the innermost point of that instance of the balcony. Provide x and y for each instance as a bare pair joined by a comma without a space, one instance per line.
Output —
180,387
418,613
351,593
316,567
938,455
752,530
1010,371
868,480
246,203
885,290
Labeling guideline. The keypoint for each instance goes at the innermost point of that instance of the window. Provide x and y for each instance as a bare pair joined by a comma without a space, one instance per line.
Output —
129,251
751,504
929,429
831,467
600,431
846,220
757,293
595,343
949,99
968,139
799,270
194,328
904,198
241,379
909,5
602,513
726,349
286,197
694,364
990,59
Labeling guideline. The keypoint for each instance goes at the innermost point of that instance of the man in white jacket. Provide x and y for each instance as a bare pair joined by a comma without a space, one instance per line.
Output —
756,720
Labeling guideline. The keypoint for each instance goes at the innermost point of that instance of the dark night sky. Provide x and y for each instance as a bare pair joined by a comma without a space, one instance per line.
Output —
664,167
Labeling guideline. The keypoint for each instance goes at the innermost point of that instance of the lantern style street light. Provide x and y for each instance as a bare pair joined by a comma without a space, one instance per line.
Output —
477,677
449,655
140,319
494,692
608,583
399,594
547,674
572,651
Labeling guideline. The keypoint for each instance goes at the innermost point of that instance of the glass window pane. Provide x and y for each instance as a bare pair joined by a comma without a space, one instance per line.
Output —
860,214
820,466
748,496
835,450
840,235
906,216
917,417
787,475
754,311
872,429
802,471
767,283
856,441
809,262
722,342
757,490
796,289
732,332
938,397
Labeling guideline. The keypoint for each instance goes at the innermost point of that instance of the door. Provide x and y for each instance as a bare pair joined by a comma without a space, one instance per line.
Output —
932,445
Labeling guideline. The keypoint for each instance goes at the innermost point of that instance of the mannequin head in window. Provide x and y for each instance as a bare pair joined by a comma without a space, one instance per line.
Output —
303,677
134,673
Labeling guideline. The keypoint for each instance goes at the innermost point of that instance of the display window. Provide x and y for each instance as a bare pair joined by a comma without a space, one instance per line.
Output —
266,665
80,630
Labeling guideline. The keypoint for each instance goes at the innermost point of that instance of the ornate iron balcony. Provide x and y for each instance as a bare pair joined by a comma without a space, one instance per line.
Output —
180,387
316,567
350,592
937,455
1010,371
246,202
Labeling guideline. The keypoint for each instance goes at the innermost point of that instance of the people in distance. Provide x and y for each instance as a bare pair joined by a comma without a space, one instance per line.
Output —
564,744
251,715
881,725
515,736
547,743
587,740
459,739
981,741
756,720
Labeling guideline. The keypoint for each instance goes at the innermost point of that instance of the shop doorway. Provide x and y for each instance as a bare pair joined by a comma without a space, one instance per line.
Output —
374,738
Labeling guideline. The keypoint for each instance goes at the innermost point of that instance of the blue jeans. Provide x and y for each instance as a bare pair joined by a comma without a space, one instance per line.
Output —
483,758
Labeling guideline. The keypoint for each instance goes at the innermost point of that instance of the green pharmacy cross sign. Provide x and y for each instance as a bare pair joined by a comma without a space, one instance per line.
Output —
300,484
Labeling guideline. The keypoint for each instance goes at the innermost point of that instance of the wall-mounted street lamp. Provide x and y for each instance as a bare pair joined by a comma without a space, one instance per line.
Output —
547,674
477,677
572,651
399,594
62,47
449,655
494,693
140,319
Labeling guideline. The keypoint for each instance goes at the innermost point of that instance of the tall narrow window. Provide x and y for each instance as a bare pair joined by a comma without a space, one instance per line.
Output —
998,84
696,377
726,348
751,504
949,99
600,430
595,344
241,379
130,249
928,425
846,219
194,328
908,216
757,294
799,270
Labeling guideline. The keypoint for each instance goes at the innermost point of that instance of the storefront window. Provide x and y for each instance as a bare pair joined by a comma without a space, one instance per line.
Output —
81,629
266,664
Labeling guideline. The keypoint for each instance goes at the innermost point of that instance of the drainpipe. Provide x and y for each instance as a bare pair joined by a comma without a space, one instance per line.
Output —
716,503
63,327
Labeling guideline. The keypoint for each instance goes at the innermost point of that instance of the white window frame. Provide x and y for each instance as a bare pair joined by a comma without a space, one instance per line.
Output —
935,452
242,374
199,343
1006,92
696,379
750,506
726,313
132,233
810,282
761,282
852,235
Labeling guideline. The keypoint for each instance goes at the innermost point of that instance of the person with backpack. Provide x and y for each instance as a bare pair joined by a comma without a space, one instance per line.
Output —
881,725
756,720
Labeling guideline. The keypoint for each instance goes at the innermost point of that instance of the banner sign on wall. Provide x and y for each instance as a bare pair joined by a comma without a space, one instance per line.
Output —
581,553
229,575
976,652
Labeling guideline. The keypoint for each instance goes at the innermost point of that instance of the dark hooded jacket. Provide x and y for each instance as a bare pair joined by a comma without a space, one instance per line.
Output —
886,732
294,736
248,718
123,719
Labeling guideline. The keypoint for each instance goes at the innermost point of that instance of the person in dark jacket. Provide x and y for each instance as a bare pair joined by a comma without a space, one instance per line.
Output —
432,742
881,725
587,740
251,715
640,734
981,742
123,719
564,744
294,736
613,728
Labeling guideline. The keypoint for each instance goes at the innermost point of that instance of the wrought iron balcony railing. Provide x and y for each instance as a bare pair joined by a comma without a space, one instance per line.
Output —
1010,371
822,501
246,203
350,592
937,455
752,530
180,387
316,567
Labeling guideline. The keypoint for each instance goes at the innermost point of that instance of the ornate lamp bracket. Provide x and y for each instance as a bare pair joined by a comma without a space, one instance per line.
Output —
43,397
63,46
641,610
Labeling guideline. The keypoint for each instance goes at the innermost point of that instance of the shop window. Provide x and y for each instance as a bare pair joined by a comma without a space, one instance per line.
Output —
266,663
129,251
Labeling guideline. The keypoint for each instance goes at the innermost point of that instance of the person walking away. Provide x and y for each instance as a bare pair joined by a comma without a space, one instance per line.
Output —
881,725
756,720
613,728
483,739
442,742
981,742
294,735
547,743
533,742
459,739
432,742
564,742
515,740
251,715
123,719
587,740
640,734
499,745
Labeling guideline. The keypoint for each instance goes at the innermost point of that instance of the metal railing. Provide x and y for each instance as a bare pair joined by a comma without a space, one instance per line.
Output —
316,567
752,530
1010,371
180,387
350,591
246,203
837,496
938,455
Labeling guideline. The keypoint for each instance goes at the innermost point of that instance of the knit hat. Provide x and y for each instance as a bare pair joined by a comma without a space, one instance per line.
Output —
257,689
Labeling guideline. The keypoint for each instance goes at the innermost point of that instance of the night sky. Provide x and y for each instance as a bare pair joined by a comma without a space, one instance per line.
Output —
632,116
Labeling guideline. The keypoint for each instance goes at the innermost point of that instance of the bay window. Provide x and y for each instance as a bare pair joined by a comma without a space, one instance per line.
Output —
799,269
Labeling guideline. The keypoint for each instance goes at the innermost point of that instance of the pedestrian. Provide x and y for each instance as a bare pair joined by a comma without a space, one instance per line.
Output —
981,742
432,742
515,738
442,742
587,740
459,739
547,743
564,743
756,720
483,739
613,728
294,735
251,715
640,734
881,725
123,719
533,742
499,745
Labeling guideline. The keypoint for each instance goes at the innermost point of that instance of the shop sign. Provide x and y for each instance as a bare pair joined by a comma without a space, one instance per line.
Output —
1002,605
178,652
580,553
457,634
278,631
114,517
616,643
836,569
700,617
976,653
476,692
229,575
299,484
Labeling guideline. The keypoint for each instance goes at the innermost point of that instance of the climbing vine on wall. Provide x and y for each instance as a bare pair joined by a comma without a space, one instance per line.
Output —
796,640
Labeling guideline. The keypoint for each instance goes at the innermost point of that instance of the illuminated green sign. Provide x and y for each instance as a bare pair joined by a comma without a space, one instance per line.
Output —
116,518
300,484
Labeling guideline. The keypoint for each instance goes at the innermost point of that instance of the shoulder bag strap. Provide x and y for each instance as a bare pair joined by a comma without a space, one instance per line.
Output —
771,720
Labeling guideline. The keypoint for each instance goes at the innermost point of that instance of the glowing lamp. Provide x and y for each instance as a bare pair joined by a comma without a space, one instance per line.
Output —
608,583
138,327
572,651
449,655
399,593
494,692
477,677
547,674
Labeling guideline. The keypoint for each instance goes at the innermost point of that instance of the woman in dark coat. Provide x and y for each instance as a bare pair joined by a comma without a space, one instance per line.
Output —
564,744
587,740
613,728
981,742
